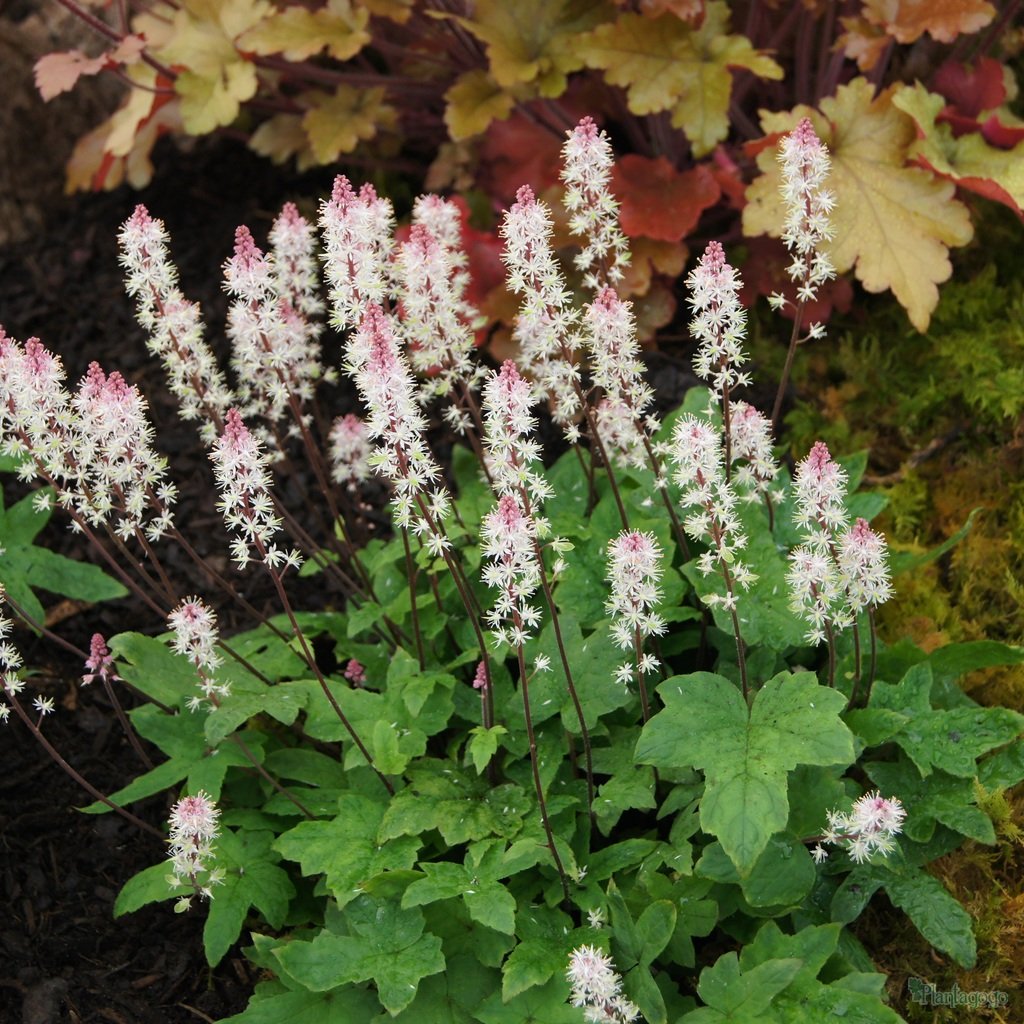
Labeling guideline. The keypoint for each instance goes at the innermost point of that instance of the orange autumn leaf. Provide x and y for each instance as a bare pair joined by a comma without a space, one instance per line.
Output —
967,160
657,201
907,20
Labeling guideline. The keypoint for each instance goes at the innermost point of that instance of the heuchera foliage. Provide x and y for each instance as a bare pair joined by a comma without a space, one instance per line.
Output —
481,91
560,722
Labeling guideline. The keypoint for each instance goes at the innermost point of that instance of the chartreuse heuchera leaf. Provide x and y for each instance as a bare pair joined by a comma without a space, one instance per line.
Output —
745,753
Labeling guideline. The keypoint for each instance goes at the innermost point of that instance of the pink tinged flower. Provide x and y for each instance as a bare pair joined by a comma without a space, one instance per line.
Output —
593,211
634,568
355,673
546,326
275,355
173,324
293,262
622,415
597,987
863,566
870,827
509,543
816,592
195,633
350,451
100,662
436,320
696,452
480,678
820,488
719,320
751,435
805,164
120,471
443,220
395,420
245,502
513,453
357,231
193,828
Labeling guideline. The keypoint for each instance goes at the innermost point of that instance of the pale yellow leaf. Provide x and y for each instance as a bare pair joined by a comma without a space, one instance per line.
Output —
665,64
393,10
339,122
534,40
473,102
279,138
893,224
298,33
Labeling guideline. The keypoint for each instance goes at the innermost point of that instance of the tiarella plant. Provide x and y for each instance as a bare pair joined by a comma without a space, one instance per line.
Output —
565,716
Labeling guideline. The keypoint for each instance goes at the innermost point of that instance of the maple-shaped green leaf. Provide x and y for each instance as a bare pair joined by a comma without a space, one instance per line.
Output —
951,740
745,754
967,160
892,224
665,63
297,32
486,899
473,102
25,567
346,849
252,878
739,995
534,41
386,945
338,122
272,1003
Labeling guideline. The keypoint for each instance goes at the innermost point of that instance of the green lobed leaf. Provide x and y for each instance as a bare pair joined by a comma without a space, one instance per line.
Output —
745,754
387,946
347,849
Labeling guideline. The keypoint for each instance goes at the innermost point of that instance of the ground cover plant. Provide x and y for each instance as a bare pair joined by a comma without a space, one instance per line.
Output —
569,715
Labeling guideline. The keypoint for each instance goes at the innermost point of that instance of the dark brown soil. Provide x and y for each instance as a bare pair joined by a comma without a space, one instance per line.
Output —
64,957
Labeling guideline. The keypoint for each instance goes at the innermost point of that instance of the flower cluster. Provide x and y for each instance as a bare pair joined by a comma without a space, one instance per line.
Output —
350,451
863,567
193,828
868,828
805,164
294,270
634,568
173,324
750,432
357,230
696,451
838,570
118,469
100,662
10,662
436,319
396,422
597,988
546,326
593,211
622,417
240,467
275,355
196,637
512,452
509,539
719,320
94,447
